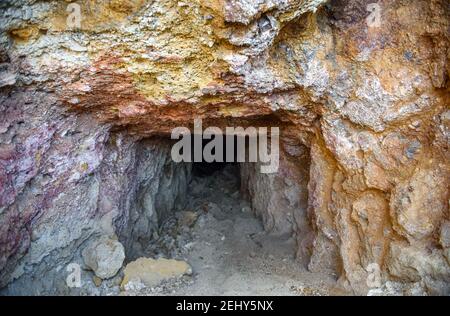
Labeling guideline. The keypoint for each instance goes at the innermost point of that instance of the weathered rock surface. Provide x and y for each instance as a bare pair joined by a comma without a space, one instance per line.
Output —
280,198
370,102
151,272
104,256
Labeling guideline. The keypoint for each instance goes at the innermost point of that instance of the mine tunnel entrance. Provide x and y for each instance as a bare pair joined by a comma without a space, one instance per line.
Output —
234,225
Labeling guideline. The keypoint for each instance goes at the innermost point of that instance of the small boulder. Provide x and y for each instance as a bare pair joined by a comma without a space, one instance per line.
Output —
104,256
151,272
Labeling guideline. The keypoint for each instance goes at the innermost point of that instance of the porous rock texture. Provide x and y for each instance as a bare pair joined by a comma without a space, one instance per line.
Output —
369,104
280,198
150,272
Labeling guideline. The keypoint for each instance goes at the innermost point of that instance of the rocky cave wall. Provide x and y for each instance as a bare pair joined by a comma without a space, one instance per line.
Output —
280,199
125,197
369,102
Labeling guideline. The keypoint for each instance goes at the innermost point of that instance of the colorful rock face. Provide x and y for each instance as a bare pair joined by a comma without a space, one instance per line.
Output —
360,93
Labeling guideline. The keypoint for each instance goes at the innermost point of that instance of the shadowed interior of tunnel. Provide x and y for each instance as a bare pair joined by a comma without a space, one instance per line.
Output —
203,168
224,218
231,215
182,196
